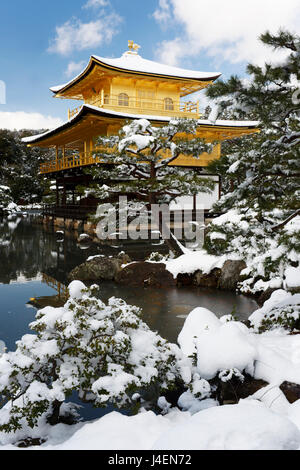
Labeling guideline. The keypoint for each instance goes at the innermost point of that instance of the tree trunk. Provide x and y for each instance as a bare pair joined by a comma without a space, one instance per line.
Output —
53,419
171,241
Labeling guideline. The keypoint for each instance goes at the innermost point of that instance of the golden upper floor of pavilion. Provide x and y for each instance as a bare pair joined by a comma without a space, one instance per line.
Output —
133,84
114,91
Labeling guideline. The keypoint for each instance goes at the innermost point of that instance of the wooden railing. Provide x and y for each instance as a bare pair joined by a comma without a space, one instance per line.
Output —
65,163
91,158
189,109
74,112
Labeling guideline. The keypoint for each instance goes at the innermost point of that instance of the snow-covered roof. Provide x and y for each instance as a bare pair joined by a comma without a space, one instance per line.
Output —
108,113
133,62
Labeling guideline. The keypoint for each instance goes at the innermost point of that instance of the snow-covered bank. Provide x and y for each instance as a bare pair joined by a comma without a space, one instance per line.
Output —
193,261
248,425
271,261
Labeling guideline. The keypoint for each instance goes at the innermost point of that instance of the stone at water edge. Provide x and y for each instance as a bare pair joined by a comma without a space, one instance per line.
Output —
265,295
230,274
210,279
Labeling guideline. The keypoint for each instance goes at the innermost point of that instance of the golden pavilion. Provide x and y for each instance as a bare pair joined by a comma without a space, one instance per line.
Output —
112,91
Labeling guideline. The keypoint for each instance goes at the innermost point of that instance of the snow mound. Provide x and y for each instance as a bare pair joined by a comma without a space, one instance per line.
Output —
117,431
75,289
249,425
198,320
226,347
220,345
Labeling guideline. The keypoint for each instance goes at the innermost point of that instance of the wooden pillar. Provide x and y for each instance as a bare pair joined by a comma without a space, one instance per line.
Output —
64,196
64,155
194,207
57,194
111,99
84,151
56,159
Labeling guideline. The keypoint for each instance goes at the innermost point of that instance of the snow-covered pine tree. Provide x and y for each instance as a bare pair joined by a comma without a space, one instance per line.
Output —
138,169
20,164
5,198
261,174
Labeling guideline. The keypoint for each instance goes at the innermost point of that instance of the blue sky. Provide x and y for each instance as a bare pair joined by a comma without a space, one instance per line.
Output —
41,40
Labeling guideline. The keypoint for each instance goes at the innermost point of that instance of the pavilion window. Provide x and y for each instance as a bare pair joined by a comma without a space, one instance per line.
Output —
145,98
123,99
106,99
169,104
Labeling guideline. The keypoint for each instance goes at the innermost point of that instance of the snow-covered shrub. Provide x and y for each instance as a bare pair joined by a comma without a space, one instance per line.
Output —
281,310
105,352
5,197
267,253
157,257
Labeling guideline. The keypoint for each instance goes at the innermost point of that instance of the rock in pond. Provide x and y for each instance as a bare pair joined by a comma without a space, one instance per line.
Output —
144,273
99,268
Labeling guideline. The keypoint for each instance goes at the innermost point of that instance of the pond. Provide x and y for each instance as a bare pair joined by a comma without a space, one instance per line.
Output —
34,263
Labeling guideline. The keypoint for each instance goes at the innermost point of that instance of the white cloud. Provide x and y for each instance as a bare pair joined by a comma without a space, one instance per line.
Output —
225,30
75,68
21,120
163,13
76,35
95,3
